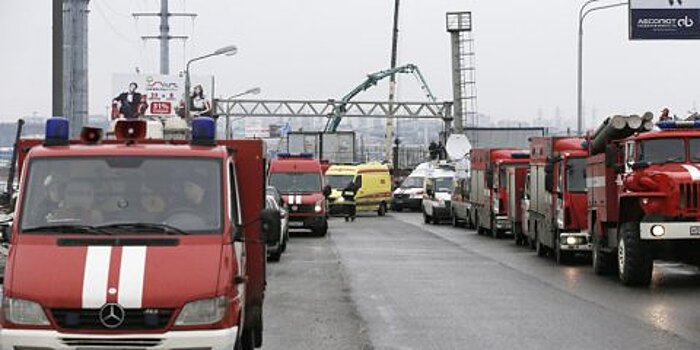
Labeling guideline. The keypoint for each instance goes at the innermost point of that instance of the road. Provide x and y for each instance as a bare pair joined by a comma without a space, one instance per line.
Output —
395,283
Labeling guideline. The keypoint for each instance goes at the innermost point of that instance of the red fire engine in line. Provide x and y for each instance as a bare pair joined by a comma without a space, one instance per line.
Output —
643,196
488,193
557,197
300,180
135,243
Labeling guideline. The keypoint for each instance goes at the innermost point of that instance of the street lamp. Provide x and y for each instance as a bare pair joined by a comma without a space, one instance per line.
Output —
253,91
584,11
227,50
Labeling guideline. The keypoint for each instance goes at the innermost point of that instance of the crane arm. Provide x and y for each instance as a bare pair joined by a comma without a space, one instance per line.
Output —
372,79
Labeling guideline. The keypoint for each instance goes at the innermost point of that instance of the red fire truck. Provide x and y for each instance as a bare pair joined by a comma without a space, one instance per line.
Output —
644,196
488,193
300,180
557,197
135,243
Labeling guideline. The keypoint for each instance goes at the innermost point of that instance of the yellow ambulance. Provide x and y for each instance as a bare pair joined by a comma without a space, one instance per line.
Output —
371,183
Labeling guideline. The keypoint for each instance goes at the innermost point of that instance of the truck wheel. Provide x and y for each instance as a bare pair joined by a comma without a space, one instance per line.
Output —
382,209
635,265
539,247
247,341
321,231
275,256
563,257
603,263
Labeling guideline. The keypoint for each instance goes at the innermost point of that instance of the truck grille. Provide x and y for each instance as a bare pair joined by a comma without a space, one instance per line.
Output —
136,319
402,196
108,343
688,196
303,208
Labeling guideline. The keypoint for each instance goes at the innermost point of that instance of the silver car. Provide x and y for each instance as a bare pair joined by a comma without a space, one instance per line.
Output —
274,201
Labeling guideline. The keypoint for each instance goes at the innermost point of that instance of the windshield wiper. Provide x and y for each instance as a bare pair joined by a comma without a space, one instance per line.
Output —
67,229
161,228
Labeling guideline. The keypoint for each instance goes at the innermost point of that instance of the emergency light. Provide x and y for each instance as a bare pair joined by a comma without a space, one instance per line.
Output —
57,132
203,131
679,124
304,155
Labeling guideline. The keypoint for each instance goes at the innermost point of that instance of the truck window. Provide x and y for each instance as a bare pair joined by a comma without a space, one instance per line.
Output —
296,182
661,151
339,182
695,150
444,184
576,175
235,200
113,192
502,177
413,182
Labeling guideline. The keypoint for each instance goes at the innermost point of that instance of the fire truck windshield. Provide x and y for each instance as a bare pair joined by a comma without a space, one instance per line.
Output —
695,150
576,175
296,182
659,151
115,195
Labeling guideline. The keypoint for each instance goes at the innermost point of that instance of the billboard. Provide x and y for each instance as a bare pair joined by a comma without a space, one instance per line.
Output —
502,137
164,93
664,19
336,147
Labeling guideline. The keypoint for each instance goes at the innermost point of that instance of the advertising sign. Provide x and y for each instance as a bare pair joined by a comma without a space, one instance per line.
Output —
664,19
165,94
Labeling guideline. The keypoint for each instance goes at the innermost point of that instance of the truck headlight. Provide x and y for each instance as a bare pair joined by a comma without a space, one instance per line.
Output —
203,312
658,231
24,312
571,240
318,207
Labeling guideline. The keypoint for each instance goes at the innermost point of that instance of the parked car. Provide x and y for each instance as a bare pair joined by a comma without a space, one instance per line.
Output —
274,201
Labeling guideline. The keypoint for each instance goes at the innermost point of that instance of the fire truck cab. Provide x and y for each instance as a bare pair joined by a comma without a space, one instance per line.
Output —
300,180
644,201
557,203
135,243
488,193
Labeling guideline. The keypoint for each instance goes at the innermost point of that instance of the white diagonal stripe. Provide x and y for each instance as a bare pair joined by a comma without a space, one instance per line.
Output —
131,275
290,199
694,172
299,199
96,277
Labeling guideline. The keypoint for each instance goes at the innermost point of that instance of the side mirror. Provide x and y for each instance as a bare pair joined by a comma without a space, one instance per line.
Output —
327,191
5,233
270,226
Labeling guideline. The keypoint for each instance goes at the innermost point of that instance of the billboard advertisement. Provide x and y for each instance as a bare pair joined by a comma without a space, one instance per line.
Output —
664,19
164,94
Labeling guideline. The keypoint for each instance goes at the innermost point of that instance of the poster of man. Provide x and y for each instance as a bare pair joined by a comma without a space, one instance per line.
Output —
164,95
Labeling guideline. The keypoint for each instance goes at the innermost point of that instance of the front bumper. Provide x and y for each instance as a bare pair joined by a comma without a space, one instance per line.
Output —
443,212
307,221
412,203
222,339
673,231
583,242
502,223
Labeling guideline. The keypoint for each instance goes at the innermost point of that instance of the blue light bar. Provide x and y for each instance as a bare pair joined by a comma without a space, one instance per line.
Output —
520,155
203,131
305,155
678,124
57,132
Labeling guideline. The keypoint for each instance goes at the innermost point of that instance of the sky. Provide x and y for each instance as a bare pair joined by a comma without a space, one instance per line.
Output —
321,49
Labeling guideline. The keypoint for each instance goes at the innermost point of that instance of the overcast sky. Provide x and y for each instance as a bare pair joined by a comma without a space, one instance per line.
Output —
319,49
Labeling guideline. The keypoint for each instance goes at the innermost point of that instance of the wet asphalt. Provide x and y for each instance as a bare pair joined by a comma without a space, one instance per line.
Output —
396,283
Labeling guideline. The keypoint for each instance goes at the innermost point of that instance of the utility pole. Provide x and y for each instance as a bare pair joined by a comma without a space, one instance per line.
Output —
391,123
57,59
75,64
164,36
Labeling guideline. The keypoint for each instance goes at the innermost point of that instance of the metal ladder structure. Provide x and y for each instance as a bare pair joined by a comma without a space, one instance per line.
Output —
459,25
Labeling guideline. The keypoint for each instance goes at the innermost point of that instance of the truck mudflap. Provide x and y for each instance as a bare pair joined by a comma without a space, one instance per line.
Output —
662,231
575,241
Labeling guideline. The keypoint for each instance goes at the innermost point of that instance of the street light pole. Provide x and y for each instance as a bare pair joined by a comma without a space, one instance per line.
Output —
253,91
584,11
228,51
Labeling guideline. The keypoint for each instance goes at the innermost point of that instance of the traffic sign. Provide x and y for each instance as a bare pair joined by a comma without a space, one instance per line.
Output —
664,19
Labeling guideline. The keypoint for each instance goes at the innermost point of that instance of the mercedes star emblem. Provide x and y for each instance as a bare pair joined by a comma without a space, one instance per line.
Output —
112,315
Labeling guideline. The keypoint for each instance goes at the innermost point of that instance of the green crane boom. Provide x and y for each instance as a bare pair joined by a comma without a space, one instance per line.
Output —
336,116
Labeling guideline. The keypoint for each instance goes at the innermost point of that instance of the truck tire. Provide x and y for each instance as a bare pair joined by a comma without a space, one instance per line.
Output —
321,231
275,256
603,263
634,262
382,209
247,341
563,257
539,247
